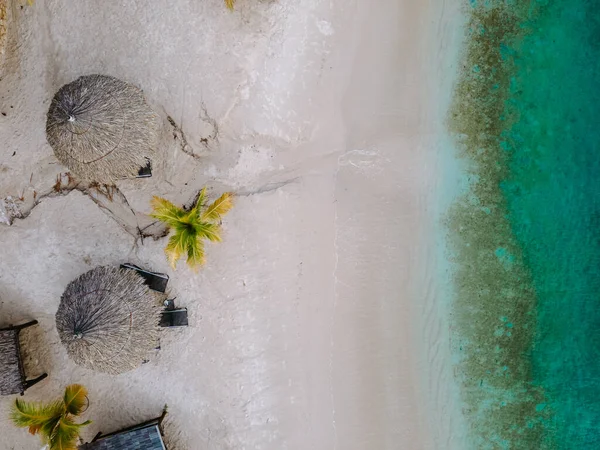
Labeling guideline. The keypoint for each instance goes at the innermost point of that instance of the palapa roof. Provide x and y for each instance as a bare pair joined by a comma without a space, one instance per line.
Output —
11,370
101,128
108,319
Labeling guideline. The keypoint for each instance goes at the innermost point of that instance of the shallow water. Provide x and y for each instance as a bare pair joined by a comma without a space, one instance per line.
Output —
554,206
523,240
308,327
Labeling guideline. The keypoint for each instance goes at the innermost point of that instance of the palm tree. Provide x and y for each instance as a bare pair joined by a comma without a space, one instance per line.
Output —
230,3
191,227
54,422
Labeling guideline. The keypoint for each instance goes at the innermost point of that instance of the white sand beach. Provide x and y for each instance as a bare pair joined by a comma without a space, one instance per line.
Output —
316,323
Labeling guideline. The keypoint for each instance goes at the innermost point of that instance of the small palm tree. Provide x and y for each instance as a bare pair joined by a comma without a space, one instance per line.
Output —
54,422
230,3
191,227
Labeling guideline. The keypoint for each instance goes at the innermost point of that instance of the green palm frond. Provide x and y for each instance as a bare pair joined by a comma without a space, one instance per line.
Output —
75,399
177,246
34,415
195,254
219,207
165,211
53,421
230,4
65,435
201,199
208,231
190,228
48,429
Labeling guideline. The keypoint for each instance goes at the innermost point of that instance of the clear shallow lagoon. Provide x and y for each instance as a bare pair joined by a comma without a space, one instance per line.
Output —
524,241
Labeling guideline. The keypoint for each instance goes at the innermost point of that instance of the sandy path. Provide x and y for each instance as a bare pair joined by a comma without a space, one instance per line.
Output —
309,326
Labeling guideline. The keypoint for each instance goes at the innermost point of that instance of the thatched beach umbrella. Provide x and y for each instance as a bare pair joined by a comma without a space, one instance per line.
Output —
101,128
108,319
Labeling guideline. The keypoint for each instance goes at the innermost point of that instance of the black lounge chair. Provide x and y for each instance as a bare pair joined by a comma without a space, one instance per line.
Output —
12,374
171,316
174,318
144,436
155,281
146,171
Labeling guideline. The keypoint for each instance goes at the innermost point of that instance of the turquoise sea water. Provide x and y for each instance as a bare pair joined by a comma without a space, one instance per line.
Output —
526,240
553,198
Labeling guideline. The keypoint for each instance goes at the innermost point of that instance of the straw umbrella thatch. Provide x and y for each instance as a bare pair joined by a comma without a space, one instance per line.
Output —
101,128
11,379
108,319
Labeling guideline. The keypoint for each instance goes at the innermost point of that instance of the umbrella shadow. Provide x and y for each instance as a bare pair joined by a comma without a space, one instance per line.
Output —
37,348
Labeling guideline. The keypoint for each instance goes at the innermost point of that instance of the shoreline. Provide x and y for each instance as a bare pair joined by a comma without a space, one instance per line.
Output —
447,49
426,149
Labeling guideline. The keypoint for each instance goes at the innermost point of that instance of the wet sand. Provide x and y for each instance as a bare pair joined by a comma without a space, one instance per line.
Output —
316,323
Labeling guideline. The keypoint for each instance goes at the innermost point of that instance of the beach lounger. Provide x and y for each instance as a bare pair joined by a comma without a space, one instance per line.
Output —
171,316
12,373
146,171
155,281
174,318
